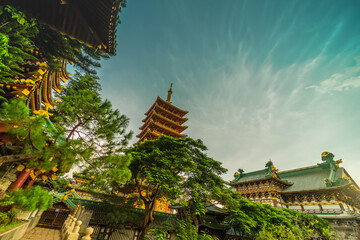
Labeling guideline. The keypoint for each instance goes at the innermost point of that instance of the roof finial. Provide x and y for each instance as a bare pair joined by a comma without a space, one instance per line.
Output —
169,93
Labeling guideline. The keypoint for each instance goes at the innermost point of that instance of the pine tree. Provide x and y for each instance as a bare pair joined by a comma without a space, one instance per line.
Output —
16,32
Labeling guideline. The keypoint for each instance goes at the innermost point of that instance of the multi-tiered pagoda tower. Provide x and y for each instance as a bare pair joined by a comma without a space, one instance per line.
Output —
163,118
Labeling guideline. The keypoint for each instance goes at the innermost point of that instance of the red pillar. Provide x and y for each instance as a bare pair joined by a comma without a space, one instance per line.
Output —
20,180
29,182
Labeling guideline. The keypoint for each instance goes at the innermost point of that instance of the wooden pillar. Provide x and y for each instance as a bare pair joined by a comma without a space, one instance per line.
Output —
29,182
20,180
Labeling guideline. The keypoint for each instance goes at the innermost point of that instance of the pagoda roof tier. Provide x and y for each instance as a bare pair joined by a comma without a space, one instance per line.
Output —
161,130
164,121
165,113
90,21
148,135
168,106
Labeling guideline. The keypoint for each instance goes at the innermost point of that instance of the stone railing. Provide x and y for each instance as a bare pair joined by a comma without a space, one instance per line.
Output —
15,233
71,227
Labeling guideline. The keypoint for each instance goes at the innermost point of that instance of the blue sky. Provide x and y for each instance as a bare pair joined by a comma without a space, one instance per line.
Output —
261,80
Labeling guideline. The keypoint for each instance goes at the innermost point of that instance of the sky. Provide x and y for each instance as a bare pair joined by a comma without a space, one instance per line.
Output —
261,80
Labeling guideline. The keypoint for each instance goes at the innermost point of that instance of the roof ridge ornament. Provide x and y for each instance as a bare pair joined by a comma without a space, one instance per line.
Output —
332,165
270,168
237,175
169,94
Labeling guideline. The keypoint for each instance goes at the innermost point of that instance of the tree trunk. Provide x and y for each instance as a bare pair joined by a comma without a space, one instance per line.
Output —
17,157
196,221
148,219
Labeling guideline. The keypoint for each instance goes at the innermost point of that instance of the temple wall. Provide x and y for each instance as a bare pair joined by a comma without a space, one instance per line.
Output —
346,227
295,207
311,207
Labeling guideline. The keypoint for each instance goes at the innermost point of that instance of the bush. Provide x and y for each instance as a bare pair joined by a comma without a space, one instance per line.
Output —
29,199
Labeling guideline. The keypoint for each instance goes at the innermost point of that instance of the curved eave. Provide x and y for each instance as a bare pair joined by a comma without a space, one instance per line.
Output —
174,109
147,135
262,179
168,122
153,127
320,189
144,132
92,22
164,113
16,87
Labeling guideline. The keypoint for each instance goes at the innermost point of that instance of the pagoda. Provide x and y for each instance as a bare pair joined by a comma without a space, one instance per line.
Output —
163,118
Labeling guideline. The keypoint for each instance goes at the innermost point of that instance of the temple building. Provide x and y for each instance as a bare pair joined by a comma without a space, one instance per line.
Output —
163,118
36,84
90,22
325,189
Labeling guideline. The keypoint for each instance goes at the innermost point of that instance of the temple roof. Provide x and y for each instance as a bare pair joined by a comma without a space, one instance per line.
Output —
310,178
101,209
90,21
160,129
160,118
167,106
259,175
305,180
36,83
165,113
147,135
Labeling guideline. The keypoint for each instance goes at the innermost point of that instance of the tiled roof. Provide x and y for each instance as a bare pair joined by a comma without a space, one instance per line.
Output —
90,21
304,180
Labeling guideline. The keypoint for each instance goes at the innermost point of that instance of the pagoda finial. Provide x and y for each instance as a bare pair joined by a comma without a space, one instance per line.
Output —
169,94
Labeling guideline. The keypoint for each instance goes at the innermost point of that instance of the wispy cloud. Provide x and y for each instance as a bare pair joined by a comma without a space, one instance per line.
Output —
346,80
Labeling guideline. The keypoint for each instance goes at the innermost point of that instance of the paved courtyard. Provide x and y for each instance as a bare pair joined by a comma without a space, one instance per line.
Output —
39,233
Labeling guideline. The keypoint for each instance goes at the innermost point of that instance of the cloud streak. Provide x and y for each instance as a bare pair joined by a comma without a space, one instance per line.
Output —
249,74
344,81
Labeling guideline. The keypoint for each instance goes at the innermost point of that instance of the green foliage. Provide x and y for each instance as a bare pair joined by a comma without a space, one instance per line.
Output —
7,221
183,229
84,129
37,135
83,112
173,166
7,217
170,168
87,118
60,184
55,46
20,34
22,125
16,32
30,199
267,222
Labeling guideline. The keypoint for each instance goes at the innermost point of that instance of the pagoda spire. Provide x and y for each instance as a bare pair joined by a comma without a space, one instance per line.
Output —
169,94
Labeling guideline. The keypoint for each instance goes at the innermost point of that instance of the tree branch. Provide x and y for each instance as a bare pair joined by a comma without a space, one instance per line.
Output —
17,157
32,144
138,186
